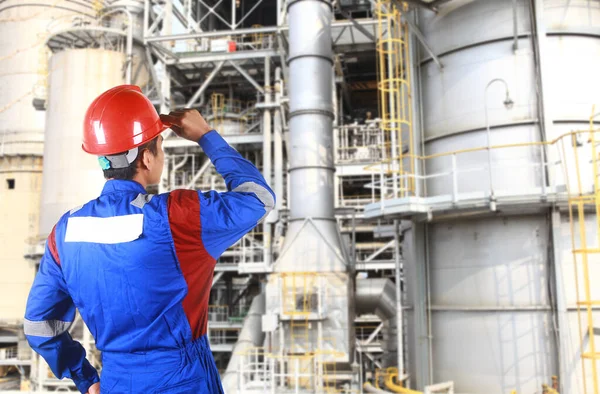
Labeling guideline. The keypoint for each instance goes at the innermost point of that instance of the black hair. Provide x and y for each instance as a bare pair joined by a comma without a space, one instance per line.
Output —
127,173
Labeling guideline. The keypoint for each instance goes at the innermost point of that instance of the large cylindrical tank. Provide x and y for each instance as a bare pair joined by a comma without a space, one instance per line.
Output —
23,30
493,290
71,176
474,40
491,317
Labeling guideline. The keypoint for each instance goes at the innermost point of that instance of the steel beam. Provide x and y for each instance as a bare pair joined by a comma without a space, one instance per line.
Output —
357,25
418,3
254,138
266,30
156,22
217,277
379,251
207,82
417,32
373,335
223,57
247,76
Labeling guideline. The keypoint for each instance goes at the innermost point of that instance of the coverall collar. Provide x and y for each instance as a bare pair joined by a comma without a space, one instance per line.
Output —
119,186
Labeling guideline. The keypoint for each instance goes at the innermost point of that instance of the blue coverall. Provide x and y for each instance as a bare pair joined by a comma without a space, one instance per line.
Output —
139,269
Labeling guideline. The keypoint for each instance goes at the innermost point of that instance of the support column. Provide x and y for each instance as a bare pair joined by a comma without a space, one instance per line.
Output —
267,160
278,143
399,325
562,314
415,273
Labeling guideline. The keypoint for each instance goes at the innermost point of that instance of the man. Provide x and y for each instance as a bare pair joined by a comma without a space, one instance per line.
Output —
139,267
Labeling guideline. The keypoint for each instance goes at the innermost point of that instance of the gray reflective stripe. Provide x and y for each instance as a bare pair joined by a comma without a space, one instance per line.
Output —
263,194
46,328
75,209
141,200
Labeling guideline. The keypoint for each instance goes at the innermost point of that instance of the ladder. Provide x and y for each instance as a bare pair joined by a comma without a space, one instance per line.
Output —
584,252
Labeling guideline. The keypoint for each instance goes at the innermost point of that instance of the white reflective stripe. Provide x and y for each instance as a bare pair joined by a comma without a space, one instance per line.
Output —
261,192
111,230
45,328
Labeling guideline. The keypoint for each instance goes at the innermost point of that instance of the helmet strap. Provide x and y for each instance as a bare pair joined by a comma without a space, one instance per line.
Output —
121,160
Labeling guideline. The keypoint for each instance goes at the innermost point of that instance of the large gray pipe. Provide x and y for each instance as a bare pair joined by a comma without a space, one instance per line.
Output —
378,295
311,110
369,388
311,166
251,335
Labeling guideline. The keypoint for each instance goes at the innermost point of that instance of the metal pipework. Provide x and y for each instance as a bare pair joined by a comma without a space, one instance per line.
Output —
508,103
267,159
311,112
278,142
250,336
378,295
129,44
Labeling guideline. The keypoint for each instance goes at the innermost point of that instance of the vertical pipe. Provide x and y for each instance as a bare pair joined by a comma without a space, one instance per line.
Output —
165,107
399,327
489,150
311,113
392,105
233,10
354,240
167,23
165,87
267,158
336,178
146,18
278,141
278,13
515,27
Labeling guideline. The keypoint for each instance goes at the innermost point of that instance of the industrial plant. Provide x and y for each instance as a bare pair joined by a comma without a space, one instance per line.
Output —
436,166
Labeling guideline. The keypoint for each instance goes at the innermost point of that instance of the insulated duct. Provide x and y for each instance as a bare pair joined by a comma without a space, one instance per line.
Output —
369,388
250,336
311,166
378,295
310,289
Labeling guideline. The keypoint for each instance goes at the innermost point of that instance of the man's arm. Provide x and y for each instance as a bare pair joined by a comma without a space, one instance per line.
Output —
225,217
49,314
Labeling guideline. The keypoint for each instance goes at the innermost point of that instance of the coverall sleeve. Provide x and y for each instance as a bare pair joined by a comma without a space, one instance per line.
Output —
49,314
227,217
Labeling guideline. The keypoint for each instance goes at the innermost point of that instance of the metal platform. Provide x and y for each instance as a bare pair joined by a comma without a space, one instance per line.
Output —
476,203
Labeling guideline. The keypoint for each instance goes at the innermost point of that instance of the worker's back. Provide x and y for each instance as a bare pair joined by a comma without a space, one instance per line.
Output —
120,266
139,268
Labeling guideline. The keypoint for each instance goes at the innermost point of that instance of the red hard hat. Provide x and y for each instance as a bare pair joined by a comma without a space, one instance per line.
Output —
119,120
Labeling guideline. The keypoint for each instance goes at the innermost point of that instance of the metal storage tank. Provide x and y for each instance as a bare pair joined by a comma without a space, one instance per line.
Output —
23,30
72,177
497,278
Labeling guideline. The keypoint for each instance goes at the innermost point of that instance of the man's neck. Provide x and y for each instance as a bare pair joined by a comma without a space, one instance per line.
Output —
139,179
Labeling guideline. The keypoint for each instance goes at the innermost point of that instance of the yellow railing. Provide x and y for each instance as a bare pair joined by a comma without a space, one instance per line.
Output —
218,312
395,97
385,172
580,201
217,101
298,289
313,371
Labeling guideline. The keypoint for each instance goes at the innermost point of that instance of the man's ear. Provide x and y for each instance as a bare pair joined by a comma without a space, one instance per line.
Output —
146,159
